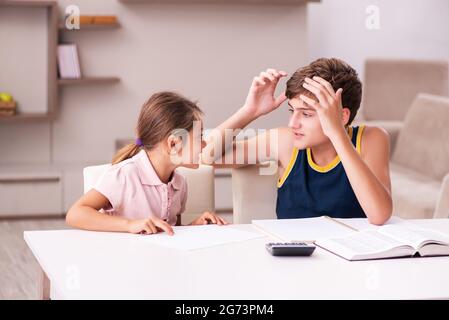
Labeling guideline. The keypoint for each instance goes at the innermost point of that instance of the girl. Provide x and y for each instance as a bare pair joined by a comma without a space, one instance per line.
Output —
142,192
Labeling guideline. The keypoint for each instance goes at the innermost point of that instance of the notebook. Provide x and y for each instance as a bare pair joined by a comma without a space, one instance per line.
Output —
389,241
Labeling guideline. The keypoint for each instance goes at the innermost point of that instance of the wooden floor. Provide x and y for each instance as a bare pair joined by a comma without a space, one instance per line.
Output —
18,268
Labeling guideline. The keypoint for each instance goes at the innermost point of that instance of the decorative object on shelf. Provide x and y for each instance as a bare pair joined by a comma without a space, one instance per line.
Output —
68,62
86,20
8,106
91,22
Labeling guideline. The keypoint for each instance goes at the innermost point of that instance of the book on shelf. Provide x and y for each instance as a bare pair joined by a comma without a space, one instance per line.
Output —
68,62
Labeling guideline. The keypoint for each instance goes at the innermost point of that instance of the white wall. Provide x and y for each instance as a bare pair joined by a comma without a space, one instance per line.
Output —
415,29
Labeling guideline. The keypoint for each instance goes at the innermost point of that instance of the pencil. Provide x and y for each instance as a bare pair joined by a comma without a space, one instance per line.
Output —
343,224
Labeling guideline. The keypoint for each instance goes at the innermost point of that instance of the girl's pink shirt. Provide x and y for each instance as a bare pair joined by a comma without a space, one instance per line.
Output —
135,191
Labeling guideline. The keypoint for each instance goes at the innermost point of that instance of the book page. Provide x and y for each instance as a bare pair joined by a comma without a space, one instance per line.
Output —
415,237
366,245
368,242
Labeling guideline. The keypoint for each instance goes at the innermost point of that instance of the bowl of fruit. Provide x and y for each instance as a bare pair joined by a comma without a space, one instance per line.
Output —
7,104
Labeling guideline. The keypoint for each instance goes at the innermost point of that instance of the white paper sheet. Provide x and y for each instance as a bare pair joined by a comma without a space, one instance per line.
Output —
304,230
312,229
198,237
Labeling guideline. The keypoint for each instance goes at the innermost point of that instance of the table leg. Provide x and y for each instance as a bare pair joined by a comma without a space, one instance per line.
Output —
43,287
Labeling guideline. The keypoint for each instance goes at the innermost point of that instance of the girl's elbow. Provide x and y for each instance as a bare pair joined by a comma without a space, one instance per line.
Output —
70,217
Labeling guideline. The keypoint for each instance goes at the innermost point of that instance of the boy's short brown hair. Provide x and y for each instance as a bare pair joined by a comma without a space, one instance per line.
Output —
338,73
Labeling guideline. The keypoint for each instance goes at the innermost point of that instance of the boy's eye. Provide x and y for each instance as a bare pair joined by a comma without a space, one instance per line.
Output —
306,114
290,110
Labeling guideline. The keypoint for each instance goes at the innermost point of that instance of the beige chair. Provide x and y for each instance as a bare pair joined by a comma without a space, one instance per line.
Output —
420,162
200,182
390,86
93,174
442,208
201,191
254,194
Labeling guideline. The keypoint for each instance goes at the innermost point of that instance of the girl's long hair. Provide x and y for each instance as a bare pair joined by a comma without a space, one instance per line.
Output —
163,113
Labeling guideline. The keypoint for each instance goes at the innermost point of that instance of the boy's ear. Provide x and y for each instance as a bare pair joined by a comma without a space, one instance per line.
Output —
346,114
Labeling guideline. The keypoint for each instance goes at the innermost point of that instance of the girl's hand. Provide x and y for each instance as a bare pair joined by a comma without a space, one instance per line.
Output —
149,226
208,217
260,99
329,106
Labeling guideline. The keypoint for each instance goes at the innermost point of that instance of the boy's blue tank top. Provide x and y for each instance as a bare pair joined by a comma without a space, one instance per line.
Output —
307,190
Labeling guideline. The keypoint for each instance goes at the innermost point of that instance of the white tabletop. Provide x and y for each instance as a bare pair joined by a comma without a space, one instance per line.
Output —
96,265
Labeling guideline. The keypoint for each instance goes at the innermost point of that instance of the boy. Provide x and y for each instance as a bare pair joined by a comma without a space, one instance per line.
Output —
325,166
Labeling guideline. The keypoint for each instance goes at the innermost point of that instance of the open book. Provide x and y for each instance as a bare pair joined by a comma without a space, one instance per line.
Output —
389,241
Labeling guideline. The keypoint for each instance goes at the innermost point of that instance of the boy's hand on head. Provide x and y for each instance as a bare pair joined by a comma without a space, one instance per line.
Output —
260,99
209,218
149,226
329,106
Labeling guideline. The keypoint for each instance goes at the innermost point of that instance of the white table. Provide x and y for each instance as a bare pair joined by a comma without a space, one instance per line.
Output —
93,265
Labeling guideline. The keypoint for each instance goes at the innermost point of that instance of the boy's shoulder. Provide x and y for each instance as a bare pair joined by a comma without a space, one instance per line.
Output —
374,139
285,145
373,134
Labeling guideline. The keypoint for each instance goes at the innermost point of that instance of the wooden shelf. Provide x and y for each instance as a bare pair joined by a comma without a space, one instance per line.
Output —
254,2
88,80
89,27
27,117
29,3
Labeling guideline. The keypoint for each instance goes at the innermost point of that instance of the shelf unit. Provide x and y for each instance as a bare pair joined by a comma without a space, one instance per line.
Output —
52,92
55,29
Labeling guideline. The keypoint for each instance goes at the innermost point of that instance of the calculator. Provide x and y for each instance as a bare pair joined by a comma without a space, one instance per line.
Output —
290,248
